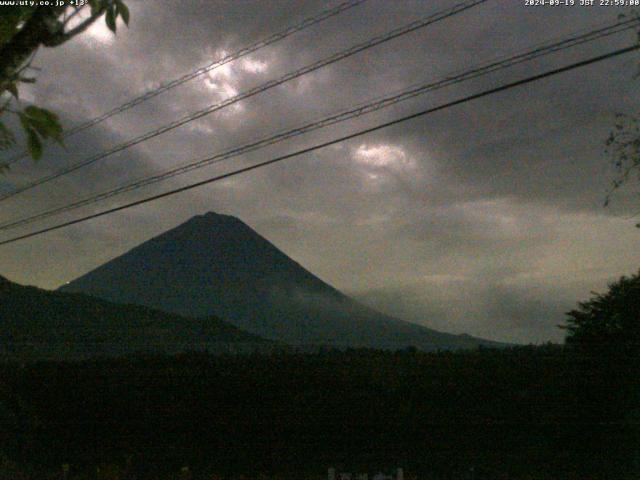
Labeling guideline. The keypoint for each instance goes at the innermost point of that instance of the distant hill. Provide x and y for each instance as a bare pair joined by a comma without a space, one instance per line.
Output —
217,265
39,324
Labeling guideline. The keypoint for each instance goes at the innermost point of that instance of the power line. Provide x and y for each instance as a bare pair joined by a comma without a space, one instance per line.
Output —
297,153
545,49
276,37
395,33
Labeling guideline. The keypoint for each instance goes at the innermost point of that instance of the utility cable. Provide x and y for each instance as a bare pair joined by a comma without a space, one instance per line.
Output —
359,133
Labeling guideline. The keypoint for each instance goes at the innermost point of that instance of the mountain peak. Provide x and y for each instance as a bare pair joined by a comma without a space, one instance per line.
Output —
218,217
215,264
212,220
215,217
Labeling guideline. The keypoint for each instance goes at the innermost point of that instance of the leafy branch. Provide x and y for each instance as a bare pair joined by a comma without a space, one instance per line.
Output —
623,142
623,148
23,30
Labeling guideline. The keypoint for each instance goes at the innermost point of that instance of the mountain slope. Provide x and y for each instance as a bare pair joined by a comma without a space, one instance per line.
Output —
39,324
216,264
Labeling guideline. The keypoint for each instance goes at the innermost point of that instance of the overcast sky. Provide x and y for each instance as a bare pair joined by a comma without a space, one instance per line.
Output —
486,218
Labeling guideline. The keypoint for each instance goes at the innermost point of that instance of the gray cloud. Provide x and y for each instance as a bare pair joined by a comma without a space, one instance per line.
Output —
485,218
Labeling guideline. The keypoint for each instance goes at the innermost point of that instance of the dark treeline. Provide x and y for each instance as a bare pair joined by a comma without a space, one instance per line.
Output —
526,412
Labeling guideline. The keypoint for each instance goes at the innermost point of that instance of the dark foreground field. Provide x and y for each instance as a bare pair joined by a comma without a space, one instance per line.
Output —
523,413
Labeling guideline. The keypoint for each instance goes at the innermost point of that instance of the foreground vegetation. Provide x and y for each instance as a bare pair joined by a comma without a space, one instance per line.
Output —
527,412
522,413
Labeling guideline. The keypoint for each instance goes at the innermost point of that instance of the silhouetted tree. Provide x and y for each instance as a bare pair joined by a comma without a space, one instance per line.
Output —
604,332
609,322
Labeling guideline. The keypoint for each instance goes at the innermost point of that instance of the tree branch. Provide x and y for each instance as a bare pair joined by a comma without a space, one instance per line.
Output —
70,17
34,33
65,36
